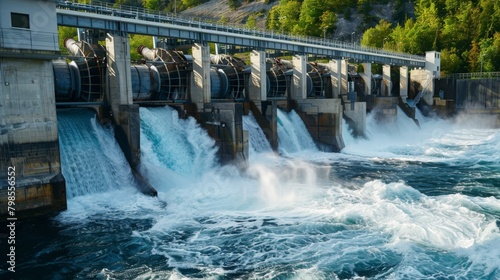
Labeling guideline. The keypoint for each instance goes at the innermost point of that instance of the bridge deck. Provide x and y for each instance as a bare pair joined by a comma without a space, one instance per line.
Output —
139,21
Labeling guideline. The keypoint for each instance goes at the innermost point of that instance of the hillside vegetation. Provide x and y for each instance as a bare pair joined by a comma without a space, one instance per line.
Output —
467,32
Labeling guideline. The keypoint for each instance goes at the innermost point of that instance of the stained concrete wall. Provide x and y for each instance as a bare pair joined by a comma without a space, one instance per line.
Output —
200,79
403,82
258,84
28,116
426,80
224,123
367,77
323,119
28,136
119,95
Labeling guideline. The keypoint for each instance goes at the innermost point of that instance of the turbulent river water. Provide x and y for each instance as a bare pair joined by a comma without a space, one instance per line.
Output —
402,203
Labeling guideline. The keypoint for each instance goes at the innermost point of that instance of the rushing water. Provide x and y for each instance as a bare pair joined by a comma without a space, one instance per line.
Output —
406,203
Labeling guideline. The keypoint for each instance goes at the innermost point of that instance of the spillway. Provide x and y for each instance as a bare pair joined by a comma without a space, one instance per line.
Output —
91,160
292,134
258,142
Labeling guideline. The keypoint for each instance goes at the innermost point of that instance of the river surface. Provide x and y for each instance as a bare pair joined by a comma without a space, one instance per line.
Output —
404,203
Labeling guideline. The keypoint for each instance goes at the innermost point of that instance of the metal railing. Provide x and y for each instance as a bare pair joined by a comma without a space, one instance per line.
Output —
129,12
16,38
475,75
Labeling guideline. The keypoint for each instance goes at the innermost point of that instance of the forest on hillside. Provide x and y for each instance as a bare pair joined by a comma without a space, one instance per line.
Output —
466,32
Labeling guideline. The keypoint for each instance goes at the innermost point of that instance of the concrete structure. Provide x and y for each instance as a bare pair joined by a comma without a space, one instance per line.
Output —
106,17
29,143
216,90
472,94
323,116
200,85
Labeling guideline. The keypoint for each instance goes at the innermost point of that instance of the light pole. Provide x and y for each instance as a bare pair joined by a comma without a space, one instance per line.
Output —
352,37
383,43
324,32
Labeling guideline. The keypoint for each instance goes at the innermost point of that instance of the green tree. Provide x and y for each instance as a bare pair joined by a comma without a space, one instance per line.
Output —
151,4
451,62
66,32
289,14
489,18
328,22
490,53
193,3
136,41
474,57
251,22
375,36
309,22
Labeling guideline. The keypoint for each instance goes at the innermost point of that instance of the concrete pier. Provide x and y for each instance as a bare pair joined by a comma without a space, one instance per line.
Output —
322,116
118,94
29,145
200,81
265,112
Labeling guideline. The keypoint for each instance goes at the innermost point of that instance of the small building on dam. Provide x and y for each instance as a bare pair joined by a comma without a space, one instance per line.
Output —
216,89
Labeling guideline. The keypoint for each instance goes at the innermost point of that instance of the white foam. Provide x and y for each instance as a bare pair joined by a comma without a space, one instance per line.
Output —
292,134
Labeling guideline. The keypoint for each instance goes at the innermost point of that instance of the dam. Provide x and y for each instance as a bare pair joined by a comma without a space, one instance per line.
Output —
218,90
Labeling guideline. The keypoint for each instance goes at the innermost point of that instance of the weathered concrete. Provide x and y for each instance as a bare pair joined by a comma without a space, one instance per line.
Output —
386,109
403,83
200,80
119,95
35,196
267,118
386,87
299,91
224,123
356,117
265,112
339,68
258,85
323,119
28,136
367,77
426,81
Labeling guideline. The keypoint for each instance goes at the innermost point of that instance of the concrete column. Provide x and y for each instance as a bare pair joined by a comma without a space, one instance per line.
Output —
339,69
323,119
356,118
367,77
344,68
299,92
258,88
200,84
403,82
29,146
119,95
334,66
119,76
386,82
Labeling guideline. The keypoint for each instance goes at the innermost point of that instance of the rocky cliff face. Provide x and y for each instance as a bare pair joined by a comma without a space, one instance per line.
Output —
219,10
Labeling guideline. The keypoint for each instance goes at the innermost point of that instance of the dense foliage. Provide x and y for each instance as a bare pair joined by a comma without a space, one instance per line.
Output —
466,32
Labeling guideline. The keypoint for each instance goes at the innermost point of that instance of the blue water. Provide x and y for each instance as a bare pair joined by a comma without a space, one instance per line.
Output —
406,203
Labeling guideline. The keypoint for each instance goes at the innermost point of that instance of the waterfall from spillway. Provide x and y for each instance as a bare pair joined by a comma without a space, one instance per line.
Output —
91,160
258,142
292,134
179,145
